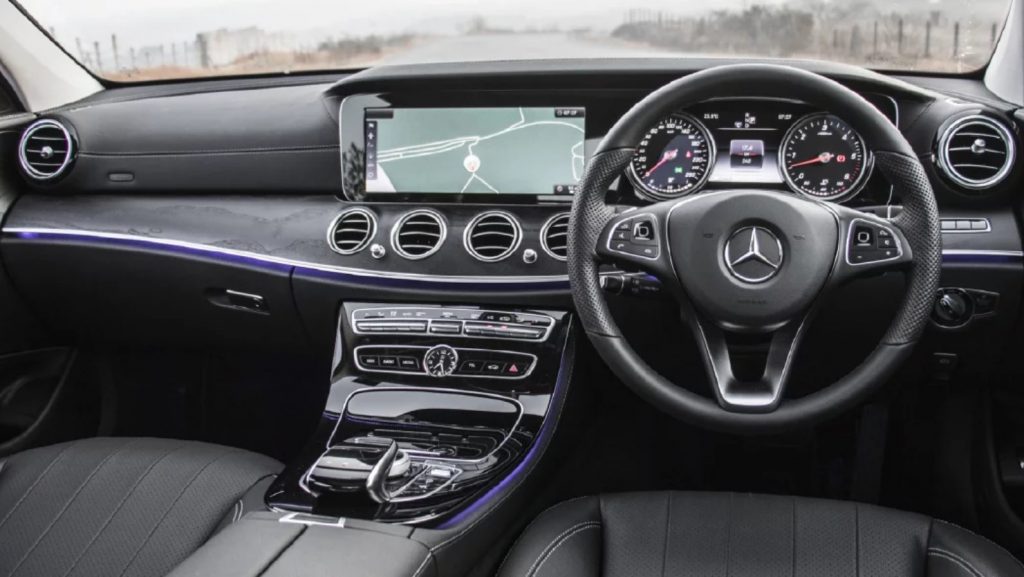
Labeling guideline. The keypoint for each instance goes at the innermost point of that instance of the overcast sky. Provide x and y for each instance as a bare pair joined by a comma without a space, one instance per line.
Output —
157,21
148,22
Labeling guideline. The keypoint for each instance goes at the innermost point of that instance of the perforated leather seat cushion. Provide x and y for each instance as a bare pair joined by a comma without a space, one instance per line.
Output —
719,535
118,507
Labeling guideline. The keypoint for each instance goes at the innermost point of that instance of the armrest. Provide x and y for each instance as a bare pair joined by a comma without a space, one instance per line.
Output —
262,545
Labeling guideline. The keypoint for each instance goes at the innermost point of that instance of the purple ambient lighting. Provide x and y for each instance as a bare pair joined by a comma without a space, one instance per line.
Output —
309,270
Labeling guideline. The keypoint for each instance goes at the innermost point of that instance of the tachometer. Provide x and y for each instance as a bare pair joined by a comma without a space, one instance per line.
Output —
823,157
673,159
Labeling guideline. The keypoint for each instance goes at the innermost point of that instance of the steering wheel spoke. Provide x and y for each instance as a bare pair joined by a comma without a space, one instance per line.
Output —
868,245
637,240
757,389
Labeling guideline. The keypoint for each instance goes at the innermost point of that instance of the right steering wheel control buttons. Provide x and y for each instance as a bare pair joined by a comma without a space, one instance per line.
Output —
871,242
635,236
955,307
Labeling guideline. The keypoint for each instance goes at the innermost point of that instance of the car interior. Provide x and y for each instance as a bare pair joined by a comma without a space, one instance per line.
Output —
659,308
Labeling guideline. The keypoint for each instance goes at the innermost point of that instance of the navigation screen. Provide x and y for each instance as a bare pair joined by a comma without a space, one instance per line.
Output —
474,150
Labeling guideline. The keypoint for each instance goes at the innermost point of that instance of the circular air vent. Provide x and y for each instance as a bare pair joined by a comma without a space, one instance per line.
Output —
554,237
492,236
418,234
352,231
976,152
46,149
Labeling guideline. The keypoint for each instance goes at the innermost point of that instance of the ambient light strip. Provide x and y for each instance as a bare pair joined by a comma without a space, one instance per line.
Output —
364,276
375,277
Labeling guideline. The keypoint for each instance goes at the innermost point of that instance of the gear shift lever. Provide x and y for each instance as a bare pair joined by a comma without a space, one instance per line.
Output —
359,463
376,482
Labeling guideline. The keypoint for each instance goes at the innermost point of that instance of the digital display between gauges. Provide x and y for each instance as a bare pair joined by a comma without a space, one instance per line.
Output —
823,157
673,159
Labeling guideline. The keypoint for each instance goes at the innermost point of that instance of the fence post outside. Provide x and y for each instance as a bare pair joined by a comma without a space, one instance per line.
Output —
899,38
928,39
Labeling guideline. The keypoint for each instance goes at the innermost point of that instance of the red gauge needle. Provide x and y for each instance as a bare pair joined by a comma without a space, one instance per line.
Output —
669,155
823,157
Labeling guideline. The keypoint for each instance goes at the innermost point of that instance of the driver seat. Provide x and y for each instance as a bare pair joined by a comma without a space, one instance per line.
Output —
711,535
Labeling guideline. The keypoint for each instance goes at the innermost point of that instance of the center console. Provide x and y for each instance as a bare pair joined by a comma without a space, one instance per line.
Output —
431,408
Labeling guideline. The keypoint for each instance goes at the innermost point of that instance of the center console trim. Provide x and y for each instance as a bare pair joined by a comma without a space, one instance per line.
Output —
444,460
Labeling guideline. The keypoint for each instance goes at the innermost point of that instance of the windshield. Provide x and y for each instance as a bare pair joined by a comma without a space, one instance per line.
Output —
136,40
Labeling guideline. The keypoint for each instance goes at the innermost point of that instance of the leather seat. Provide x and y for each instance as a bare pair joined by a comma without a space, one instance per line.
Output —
119,506
710,535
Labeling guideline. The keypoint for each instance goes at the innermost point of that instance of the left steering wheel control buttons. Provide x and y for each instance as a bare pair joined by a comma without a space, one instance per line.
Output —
870,242
636,236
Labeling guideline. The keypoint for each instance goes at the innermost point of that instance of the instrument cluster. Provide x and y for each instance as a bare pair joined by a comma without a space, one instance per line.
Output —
746,141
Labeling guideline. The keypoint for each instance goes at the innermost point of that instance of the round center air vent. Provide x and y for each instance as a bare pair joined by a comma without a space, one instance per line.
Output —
554,237
351,231
46,149
492,236
976,152
418,234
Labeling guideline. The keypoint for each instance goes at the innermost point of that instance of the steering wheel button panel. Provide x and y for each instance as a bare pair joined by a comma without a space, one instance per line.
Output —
871,242
635,236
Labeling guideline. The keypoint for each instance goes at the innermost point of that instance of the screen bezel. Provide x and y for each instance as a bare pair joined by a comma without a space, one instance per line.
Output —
352,139
380,118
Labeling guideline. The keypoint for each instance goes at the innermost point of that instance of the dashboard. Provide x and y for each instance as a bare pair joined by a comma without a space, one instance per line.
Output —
455,181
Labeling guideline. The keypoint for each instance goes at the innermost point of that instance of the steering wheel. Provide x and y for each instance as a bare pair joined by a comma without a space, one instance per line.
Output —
754,261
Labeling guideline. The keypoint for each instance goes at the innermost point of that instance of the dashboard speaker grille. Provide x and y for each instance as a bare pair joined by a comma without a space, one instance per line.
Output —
493,236
418,234
46,150
554,237
976,152
352,231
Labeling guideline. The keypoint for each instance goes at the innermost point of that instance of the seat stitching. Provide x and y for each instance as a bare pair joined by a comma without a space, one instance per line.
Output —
998,546
728,534
67,504
942,554
856,541
423,565
557,542
114,513
793,553
28,492
170,508
531,524
668,533
522,479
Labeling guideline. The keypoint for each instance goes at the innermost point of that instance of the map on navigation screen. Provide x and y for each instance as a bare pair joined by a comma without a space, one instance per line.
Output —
474,150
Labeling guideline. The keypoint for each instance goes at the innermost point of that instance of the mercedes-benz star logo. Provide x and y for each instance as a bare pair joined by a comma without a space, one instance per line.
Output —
753,254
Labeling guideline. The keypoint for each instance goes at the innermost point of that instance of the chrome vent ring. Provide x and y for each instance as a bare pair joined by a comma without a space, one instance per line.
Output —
418,234
46,150
492,236
351,231
976,152
554,236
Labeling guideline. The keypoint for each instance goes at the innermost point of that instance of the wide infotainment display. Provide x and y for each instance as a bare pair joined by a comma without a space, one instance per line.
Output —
535,150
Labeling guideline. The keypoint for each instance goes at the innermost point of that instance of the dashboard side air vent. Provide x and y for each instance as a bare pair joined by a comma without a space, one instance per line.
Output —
976,152
46,150
351,231
492,236
554,237
418,234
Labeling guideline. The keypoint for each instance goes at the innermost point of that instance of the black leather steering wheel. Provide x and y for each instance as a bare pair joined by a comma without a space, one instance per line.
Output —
791,251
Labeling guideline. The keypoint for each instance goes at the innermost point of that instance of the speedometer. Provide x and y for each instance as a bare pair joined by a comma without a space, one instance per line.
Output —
673,159
823,157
